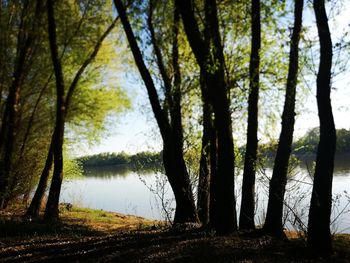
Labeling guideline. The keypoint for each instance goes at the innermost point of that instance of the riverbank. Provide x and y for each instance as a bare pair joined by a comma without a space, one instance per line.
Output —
74,221
86,235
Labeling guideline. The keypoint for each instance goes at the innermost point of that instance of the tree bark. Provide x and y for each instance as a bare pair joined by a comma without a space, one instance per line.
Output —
189,213
273,223
247,212
35,205
171,132
205,168
319,236
52,211
223,214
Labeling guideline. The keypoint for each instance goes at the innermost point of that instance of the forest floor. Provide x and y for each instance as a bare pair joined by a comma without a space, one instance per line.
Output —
85,235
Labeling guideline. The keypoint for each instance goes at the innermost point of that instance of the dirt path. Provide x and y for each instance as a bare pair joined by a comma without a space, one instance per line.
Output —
85,235
157,246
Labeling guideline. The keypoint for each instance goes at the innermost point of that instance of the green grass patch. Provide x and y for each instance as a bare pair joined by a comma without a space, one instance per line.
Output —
73,222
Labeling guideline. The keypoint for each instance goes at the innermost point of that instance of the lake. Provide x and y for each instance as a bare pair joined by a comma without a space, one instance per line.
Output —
144,193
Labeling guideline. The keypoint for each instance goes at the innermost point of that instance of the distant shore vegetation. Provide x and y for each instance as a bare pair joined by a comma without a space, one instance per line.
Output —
304,147
142,159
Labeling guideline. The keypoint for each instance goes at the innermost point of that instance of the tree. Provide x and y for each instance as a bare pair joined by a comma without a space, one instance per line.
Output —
171,131
319,237
25,42
63,103
207,163
211,61
91,100
273,223
246,218
51,211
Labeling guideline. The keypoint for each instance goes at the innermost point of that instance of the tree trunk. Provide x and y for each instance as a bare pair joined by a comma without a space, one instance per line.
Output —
186,210
223,212
51,211
203,192
213,170
171,133
246,218
35,205
273,223
319,236
178,177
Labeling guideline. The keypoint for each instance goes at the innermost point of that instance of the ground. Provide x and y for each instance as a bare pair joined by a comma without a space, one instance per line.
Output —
85,235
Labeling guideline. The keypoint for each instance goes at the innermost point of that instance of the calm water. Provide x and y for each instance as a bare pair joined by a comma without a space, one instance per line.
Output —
122,190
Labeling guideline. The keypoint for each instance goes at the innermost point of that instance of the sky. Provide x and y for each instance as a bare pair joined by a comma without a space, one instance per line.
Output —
137,131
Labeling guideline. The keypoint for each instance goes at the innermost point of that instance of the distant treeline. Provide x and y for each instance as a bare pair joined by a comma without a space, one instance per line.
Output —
307,145
109,159
304,146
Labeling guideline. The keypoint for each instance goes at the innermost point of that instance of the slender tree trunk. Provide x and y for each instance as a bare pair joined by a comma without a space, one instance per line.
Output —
223,214
51,211
273,224
246,218
35,205
319,236
188,213
206,168
203,199
223,208
171,133
176,172
213,171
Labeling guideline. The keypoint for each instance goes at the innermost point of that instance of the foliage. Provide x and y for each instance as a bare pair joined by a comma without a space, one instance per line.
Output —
98,99
107,159
308,143
71,167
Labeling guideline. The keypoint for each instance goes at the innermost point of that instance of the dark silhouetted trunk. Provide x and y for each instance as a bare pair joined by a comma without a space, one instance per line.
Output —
52,211
176,171
273,224
246,218
203,199
171,132
319,236
188,213
205,167
35,205
213,170
223,210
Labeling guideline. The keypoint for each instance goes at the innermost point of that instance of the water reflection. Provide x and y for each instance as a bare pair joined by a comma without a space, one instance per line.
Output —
120,171
307,162
126,189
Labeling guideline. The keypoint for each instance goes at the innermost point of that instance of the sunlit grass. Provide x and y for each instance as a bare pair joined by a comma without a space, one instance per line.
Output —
100,220
73,222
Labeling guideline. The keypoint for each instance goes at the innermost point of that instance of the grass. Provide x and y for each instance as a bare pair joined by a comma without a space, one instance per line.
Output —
103,221
74,222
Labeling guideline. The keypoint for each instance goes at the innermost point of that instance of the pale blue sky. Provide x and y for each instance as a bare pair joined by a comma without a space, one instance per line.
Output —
137,130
